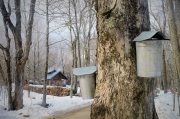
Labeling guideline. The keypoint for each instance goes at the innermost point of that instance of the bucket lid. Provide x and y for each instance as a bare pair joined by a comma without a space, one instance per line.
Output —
146,35
84,70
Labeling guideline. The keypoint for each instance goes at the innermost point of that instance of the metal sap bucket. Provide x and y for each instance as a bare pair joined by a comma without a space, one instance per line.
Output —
87,87
86,77
149,58
149,53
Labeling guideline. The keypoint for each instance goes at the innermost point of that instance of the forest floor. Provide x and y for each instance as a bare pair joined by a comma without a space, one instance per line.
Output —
164,106
32,106
69,108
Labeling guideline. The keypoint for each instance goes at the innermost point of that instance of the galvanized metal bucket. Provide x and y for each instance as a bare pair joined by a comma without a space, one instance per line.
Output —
86,76
87,85
149,53
149,58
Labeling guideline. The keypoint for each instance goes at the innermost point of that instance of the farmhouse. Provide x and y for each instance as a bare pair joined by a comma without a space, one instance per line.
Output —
55,78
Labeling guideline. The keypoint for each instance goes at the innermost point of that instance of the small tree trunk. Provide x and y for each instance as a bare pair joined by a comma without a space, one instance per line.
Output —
39,73
47,55
173,23
28,77
89,32
71,91
77,32
8,65
75,66
73,50
178,100
34,63
164,16
72,76
162,84
79,52
164,73
19,78
174,99
177,16
173,35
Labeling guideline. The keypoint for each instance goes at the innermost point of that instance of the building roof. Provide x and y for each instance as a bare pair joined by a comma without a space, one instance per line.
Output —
145,35
50,75
84,70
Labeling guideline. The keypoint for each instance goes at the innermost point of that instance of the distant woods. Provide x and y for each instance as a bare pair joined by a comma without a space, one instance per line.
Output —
72,40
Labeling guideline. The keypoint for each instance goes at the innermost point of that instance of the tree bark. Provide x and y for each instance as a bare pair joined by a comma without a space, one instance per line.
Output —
120,94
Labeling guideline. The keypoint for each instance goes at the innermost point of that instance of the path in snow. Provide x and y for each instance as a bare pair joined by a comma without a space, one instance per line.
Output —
32,106
163,104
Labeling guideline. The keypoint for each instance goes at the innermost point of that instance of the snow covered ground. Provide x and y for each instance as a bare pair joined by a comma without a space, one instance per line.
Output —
32,106
164,106
163,103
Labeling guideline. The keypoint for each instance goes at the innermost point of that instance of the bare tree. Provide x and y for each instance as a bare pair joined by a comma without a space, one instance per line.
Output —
88,30
174,23
7,79
21,54
47,55
160,17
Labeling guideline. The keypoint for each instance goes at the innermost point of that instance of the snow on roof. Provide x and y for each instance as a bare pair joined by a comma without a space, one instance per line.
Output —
84,70
145,35
51,75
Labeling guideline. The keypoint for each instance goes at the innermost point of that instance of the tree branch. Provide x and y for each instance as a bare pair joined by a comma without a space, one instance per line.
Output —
7,35
2,47
9,8
29,30
56,42
18,15
6,16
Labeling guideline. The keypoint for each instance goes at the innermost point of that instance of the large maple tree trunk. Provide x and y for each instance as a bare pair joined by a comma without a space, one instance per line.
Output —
120,94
